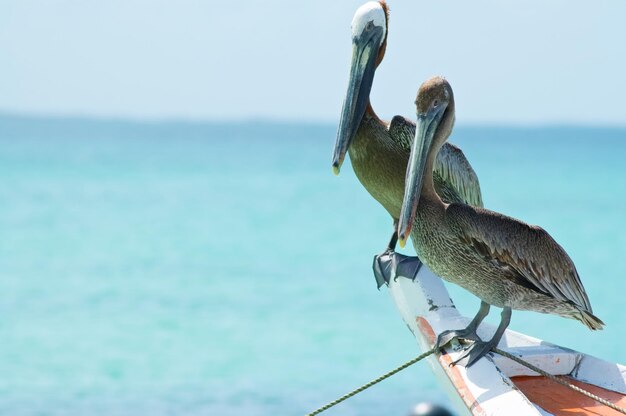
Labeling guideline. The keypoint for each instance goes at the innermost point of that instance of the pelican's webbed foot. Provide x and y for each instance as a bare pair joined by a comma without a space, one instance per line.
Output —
468,333
390,265
480,348
475,352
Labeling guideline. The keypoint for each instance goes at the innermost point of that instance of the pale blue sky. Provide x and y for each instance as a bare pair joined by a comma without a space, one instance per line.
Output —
537,61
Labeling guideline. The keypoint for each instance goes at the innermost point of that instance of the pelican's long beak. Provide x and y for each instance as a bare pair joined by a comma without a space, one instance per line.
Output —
424,134
365,50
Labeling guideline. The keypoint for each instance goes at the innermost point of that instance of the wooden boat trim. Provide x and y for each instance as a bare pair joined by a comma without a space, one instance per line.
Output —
555,399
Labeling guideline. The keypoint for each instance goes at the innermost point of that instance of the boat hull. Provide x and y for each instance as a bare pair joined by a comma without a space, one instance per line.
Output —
496,385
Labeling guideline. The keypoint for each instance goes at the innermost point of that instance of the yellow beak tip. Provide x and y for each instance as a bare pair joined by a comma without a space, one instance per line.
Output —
336,170
402,242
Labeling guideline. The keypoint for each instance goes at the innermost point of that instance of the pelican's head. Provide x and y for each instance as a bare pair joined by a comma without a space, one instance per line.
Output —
373,14
435,118
369,41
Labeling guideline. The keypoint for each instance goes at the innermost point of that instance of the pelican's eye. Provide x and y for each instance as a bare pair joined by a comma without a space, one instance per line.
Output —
435,103
369,25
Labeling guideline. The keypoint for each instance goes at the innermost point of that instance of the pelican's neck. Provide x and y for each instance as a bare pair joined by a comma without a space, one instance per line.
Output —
369,112
370,128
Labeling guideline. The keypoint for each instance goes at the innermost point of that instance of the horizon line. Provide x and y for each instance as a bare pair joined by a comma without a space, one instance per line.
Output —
253,120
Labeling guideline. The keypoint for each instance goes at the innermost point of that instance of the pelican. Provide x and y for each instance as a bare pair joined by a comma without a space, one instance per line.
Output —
505,262
379,150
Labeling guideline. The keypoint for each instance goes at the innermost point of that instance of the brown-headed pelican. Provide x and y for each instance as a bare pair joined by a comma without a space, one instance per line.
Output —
503,261
379,151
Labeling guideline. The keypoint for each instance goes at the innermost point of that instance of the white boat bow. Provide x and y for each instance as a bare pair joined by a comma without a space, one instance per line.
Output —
497,385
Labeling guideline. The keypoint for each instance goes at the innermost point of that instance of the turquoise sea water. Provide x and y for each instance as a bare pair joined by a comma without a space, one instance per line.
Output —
198,269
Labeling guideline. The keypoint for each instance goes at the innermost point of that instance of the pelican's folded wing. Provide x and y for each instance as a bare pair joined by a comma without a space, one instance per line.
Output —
529,250
455,180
